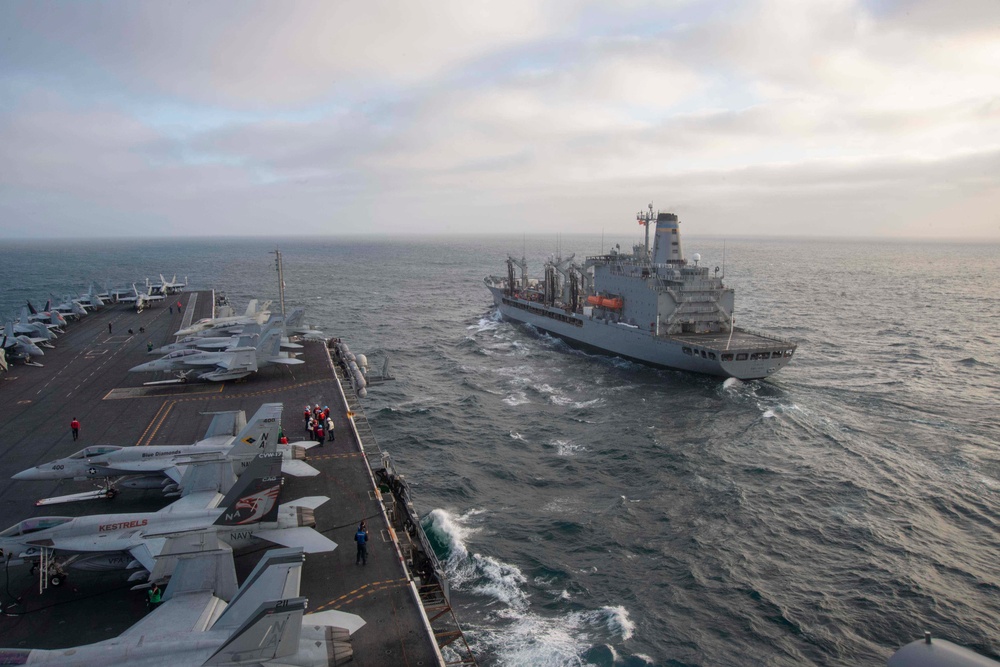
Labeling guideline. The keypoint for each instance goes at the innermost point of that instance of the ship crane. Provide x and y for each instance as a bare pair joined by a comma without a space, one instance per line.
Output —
523,265
564,267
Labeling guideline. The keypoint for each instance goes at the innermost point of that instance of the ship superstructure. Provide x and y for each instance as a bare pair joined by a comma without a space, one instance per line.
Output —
650,306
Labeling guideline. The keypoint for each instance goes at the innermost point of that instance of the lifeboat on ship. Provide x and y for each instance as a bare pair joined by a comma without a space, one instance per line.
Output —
613,303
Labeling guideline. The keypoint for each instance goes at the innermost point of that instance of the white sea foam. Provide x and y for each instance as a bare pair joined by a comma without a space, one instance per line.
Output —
516,436
517,398
576,405
454,530
567,448
732,383
530,639
768,414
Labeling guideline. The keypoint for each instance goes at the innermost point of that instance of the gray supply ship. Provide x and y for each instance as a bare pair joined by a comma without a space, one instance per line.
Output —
649,306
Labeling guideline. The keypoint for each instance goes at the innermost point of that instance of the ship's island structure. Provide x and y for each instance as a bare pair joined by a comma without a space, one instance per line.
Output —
649,306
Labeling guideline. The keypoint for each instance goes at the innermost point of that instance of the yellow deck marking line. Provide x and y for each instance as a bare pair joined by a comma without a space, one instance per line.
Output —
217,393
158,417
346,455
358,593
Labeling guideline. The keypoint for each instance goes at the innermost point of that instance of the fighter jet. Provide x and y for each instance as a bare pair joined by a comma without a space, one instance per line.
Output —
264,623
90,300
70,308
19,347
141,300
164,467
169,287
39,333
51,318
225,342
247,515
231,364
251,316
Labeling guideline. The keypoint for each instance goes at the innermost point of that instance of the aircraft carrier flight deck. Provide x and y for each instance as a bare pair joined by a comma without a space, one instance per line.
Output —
408,617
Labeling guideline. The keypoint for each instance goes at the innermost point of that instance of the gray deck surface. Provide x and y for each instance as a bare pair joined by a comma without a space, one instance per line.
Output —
87,377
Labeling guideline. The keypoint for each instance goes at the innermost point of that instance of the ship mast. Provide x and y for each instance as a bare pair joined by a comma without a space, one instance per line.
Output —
644,218
281,279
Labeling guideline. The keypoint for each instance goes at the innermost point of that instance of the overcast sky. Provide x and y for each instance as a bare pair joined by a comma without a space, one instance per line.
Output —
783,117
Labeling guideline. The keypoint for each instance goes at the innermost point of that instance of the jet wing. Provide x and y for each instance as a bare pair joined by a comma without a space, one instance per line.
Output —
147,551
197,500
286,362
311,541
298,468
193,611
312,502
338,619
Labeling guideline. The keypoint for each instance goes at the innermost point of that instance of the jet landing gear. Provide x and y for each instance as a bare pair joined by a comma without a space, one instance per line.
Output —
50,571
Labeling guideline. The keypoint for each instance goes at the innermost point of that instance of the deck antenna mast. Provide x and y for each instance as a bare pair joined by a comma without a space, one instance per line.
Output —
644,219
281,279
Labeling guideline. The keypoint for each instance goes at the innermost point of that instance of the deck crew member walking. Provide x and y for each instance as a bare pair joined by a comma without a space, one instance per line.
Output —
361,537
75,427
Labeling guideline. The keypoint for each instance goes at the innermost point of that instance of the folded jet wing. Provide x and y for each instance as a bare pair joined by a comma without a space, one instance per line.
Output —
163,467
264,623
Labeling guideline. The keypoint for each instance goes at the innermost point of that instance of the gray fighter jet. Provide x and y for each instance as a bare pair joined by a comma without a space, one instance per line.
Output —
247,515
163,467
264,623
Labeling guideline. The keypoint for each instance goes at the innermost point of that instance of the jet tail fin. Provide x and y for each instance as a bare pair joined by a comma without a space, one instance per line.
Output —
295,319
254,498
251,308
205,476
277,576
260,435
31,309
273,631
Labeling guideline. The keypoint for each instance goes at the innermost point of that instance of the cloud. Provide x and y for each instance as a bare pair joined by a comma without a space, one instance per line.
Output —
144,117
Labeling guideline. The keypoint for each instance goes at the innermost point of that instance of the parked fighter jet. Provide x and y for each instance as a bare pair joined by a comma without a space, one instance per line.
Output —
49,317
141,300
164,467
169,287
19,347
225,342
249,513
264,623
251,316
38,332
70,308
230,364
90,300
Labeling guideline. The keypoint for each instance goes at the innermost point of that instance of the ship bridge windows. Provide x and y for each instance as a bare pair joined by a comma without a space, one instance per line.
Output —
742,356
711,355
760,355
788,353
686,350
727,357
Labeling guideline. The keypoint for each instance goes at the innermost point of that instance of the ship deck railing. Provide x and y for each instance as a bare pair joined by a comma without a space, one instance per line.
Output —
427,578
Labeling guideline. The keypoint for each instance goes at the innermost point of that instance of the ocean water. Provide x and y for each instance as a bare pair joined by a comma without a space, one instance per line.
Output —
592,511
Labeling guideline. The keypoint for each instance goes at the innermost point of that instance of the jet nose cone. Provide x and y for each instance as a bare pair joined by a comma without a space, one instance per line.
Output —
30,474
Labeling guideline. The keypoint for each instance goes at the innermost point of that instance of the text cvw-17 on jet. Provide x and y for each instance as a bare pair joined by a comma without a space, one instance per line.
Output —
264,622
163,467
247,514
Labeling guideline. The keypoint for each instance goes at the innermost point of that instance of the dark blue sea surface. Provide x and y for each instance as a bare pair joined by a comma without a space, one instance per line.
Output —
592,511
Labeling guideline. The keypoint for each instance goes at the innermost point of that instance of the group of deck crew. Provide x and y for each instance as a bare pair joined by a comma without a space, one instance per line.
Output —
318,423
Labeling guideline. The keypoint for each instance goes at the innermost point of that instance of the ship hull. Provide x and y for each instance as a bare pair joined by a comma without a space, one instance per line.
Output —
744,360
